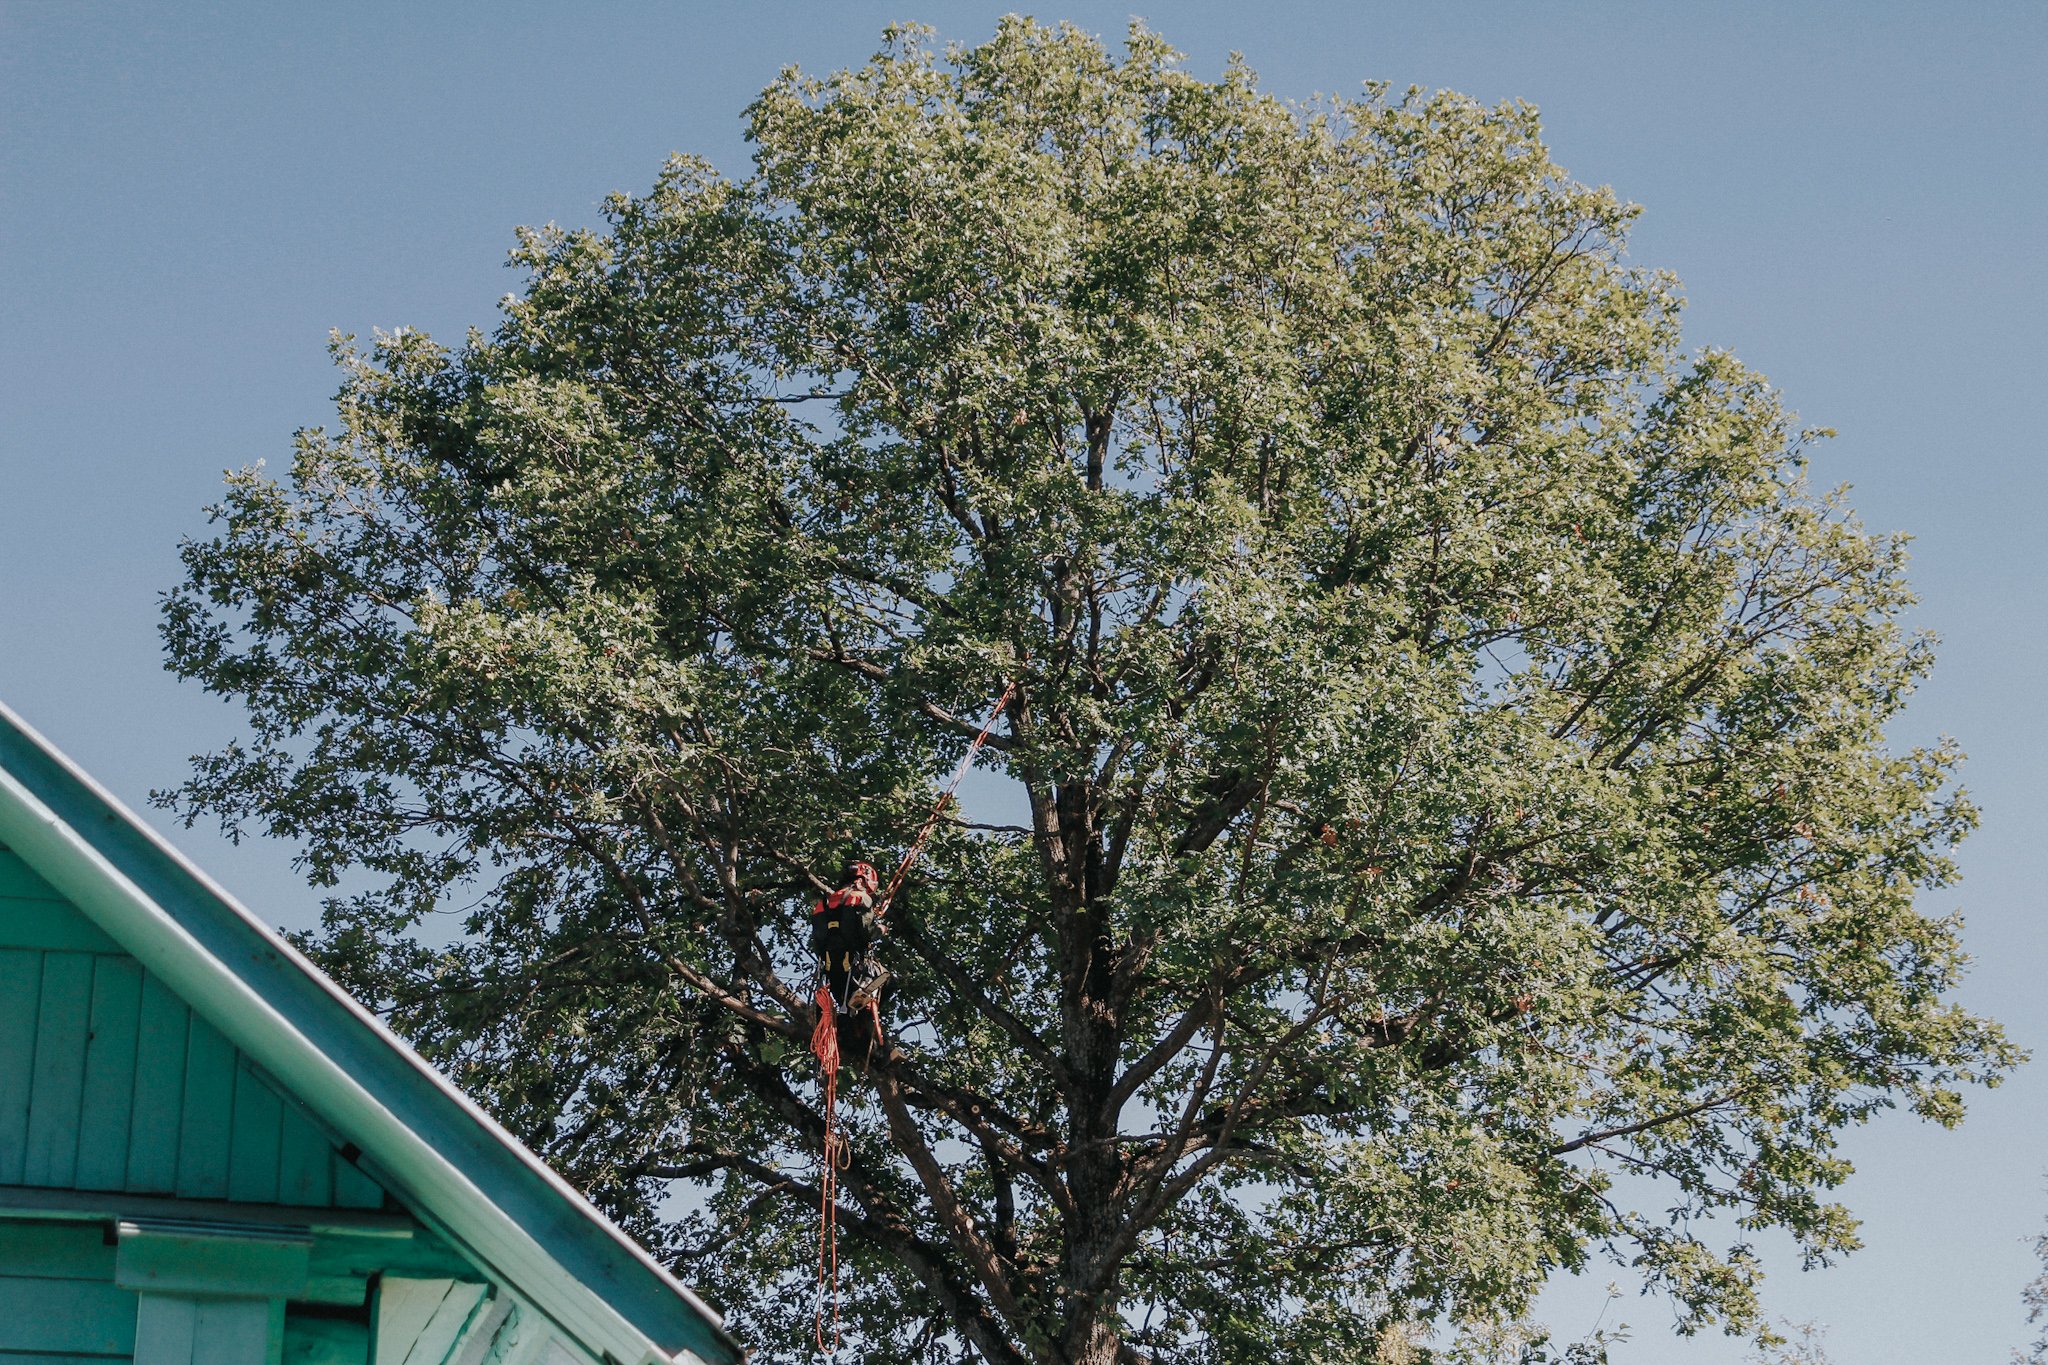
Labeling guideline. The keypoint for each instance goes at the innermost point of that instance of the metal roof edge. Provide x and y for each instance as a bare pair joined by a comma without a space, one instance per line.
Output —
510,1208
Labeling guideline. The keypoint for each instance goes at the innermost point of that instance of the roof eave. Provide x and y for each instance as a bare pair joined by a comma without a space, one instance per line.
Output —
292,1020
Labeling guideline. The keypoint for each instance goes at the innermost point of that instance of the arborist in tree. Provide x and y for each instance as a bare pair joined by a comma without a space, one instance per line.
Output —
843,925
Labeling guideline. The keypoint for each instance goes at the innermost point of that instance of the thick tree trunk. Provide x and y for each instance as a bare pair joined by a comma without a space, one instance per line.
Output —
1092,1338
1092,1033
1090,1329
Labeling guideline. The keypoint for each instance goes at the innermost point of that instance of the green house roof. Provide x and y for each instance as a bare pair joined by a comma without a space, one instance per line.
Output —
420,1137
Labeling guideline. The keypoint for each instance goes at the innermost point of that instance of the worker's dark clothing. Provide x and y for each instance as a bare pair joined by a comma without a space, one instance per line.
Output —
842,927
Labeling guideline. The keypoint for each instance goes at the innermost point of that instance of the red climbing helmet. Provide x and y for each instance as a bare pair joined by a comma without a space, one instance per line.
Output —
865,876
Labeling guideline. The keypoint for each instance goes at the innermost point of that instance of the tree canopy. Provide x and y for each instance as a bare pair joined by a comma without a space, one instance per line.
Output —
1458,835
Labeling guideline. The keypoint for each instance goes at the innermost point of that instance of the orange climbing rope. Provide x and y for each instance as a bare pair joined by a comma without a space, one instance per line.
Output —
939,807
825,1047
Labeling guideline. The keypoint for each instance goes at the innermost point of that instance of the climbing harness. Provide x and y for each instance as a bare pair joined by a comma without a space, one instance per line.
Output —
836,1156
842,928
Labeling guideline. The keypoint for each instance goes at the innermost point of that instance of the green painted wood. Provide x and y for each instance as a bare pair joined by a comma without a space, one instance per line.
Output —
353,1189
404,1308
437,1339
253,1146
484,1336
21,1358
571,1261
173,1330
62,1026
324,1341
86,1316
56,926
305,1161
137,1094
18,879
342,1291
206,1128
115,1085
273,1333
21,992
209,1259
359,1256
165,1331
511,1337
161,1044
109,1100
54,1251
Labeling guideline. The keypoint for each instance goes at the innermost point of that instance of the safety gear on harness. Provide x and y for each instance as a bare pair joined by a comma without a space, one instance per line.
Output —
843,925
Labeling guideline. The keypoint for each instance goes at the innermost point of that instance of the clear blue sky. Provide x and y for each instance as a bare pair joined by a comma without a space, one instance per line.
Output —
191,195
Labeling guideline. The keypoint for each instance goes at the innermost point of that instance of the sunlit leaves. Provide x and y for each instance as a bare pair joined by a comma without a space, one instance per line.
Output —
1461,836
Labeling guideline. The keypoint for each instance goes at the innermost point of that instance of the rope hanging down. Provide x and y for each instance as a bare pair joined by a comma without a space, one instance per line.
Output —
825,1047
938,808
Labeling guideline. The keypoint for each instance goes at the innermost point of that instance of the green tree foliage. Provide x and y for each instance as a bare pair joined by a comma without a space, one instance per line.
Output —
1461,837
1801,1343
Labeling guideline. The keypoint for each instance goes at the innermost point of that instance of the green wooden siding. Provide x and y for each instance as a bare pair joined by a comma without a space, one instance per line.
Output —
68,1318
21,987
159,1089
109,1082
420,1321
108,1103
256,1134
57,1082
172,1330
323,1341
207,1124
57,1296
59,1301
40,917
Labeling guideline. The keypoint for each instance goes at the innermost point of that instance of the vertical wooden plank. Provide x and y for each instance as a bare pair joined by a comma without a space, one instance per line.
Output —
404,1308
252,1150
353,1189
21,992
208,1121
512,1340
488,1331
236,1332
58,1086
159,1090
304,1158
174,1330
109,1074
165,1326
437,1339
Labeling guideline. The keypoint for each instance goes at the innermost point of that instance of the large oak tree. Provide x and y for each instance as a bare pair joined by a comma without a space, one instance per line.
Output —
1459,837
